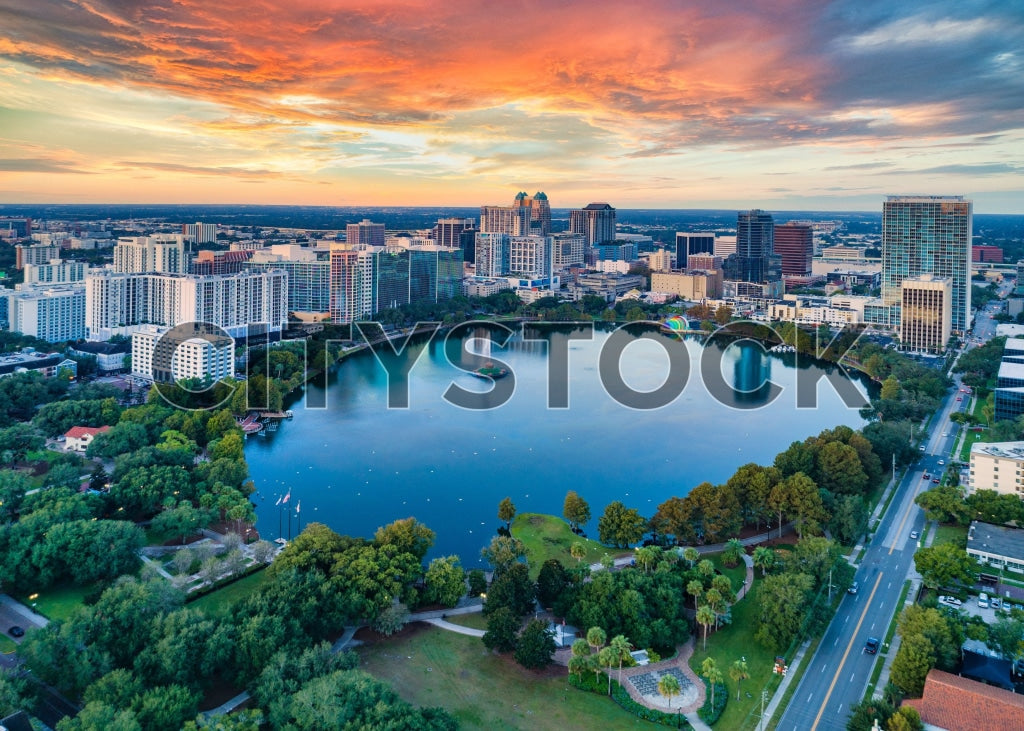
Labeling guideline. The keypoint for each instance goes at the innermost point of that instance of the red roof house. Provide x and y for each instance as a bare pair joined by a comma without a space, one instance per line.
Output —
957,704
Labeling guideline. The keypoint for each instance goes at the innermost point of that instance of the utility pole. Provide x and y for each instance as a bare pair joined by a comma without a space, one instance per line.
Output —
830,585
764,697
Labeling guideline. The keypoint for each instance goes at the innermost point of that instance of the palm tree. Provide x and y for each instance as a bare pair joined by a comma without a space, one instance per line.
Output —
579,662
647,556
764,558
622,647
607,658
691,554
709,669
723,586
705,568
733,551
695,588
738,672
596,638
705,617
668,686
713,600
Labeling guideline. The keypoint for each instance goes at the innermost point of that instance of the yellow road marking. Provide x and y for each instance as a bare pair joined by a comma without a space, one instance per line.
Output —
832,685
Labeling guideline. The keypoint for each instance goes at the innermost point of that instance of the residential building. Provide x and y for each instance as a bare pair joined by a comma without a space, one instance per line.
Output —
168,355
55,313
928,235
955,703
365,233
997,466
926,316
118,303
200,233
351,294
986,254
309,275
35,254
567,250
508,220
794,242
162,253
688,244
660,261
996,546
530,256
690,285
55,272
78,438
492,254
484,287
596,221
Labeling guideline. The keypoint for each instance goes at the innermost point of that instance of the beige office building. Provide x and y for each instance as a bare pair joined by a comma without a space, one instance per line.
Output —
997,466
927,313
689,285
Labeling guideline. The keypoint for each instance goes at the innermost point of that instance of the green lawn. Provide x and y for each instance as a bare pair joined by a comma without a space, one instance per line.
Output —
547,536
218,603
732,643
7,645
737,574
955,534
58,602
432,667
476,620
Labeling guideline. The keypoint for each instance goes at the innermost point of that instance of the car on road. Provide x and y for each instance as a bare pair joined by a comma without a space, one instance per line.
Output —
926,476
950,600
914,534
16,631
935,480
958,398
871,646
921,447
853,588
942,462
945,433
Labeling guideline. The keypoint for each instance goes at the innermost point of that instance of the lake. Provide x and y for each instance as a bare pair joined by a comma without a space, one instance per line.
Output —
355,464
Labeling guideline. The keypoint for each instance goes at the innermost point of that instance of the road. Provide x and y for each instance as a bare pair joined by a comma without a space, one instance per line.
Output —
838,673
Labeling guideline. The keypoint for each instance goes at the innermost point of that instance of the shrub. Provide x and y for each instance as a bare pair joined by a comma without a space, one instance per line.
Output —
707,713
590,682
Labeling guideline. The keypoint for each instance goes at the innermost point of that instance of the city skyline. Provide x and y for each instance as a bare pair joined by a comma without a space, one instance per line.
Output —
662,105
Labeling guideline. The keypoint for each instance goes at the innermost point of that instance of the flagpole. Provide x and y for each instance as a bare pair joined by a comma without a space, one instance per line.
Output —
279,521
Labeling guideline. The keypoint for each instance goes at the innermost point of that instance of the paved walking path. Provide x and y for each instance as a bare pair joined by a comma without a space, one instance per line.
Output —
452,627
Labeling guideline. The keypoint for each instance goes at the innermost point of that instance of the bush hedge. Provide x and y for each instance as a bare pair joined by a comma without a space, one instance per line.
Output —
599,684
707,713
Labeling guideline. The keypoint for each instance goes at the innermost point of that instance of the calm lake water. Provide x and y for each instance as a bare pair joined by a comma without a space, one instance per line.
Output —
357,464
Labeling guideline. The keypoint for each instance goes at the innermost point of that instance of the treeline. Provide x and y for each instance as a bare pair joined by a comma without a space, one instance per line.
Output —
139,657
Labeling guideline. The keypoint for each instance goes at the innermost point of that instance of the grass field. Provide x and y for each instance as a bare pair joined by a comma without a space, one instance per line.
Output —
218,603
58,603
732,643
476,620
431,667
737,574
955,534
547,536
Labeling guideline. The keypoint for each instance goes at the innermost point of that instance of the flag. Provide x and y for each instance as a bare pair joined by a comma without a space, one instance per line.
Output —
298,507
287,497
278,501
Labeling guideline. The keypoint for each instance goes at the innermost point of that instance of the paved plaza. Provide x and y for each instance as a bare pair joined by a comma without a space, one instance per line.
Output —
646,685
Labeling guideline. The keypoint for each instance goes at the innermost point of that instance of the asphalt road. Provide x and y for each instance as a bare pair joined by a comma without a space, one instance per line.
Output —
838,673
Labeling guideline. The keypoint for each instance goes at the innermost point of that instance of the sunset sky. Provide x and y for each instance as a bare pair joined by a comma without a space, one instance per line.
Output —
778,104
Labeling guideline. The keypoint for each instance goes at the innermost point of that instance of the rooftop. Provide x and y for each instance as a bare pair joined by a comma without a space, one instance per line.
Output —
996,539
1002,450
959,704
77,432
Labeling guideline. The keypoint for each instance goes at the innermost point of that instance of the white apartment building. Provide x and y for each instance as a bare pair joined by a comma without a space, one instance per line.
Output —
117,303
209,358
351,296
530,256
200,233
997,466
54,313
161,253
55,272
567,250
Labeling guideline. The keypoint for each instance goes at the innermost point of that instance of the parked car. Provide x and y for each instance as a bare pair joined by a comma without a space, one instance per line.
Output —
914,534
950,600
871,646
995,602
983,600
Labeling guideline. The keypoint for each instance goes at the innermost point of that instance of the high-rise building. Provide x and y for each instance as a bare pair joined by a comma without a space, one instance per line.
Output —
35,254
448,231
926,313
53,313
755,260
510,220
365,233
596,221
200,233
415,275
692,243
492,254
351,284
119,303
794,242
928,235
530,256
309,274
219,262
164,355
660,261
161,253
540,212
56,272
725,245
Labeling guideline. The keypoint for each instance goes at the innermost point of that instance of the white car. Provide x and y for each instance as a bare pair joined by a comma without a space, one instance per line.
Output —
950,600
942,461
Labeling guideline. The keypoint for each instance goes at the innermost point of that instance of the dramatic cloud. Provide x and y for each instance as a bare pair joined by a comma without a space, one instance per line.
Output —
376,94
